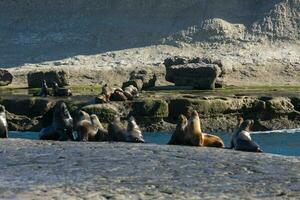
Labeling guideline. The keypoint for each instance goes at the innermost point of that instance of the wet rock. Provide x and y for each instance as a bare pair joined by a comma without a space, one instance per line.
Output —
105,112
5,77
31,107
22,123
35,79
280,105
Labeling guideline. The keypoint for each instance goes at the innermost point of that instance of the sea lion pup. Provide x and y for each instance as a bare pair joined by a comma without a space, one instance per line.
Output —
243,141
104,95
61,127
3,123
134,133
178,135
44,91
192,133
236,129
118,132
60,91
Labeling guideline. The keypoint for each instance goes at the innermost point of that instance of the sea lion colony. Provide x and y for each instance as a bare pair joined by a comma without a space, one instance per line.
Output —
87,127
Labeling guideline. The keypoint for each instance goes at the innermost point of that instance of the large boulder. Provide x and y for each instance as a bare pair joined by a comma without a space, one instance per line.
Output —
150,108
141,79
5,77
197,75
35,79
200,73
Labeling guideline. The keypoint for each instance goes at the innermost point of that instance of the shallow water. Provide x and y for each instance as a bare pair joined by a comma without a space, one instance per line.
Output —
283,142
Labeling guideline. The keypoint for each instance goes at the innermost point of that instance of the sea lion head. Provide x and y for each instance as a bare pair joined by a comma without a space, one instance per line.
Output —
62,118
247,125
44,84
134,134
82,115
182,122
194,121
2,109
240,119
96,122
55,85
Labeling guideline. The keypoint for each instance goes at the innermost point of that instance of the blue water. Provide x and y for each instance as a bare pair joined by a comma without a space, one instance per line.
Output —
283,142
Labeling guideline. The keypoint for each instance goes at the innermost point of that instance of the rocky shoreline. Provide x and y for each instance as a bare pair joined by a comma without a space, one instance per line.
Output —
158,111
104,171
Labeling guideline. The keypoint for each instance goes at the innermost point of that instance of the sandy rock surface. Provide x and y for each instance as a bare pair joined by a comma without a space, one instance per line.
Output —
56,170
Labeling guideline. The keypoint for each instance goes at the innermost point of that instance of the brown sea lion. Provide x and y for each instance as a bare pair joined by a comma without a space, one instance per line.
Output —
192,133
118,96
118,132
130,92
178,135
3,123
101,134
59,91
243,141
62,125
240,120
106,91
212,141
44,91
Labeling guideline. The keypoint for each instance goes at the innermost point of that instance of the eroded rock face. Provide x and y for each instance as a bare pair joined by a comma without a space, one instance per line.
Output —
105,112
198,75
35,79
5,77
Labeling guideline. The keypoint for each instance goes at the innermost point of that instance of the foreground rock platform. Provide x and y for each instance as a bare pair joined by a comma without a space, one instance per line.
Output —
57,170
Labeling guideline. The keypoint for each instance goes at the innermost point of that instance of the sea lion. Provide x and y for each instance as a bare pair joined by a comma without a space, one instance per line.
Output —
118,96
192,133
178,135
195,137
212,141
243,141
60,91
104,95
101,134
62,125
44,91
3,123
134,133
130,92
235,132
118,132
106,91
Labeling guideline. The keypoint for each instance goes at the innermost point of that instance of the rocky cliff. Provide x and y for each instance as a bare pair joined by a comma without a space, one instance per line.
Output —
83,31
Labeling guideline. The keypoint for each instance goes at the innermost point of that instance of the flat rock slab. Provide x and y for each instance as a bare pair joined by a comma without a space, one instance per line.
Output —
68,170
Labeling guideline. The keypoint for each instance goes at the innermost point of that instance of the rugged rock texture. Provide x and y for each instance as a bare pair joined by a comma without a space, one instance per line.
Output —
5,77
35,79
39,169
197,75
